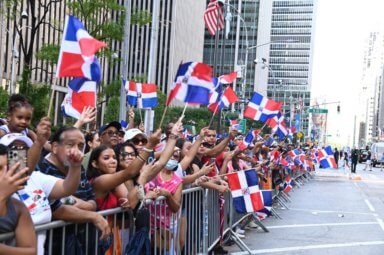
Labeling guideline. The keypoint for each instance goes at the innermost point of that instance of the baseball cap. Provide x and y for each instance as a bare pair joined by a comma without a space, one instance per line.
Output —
115,124
131,133
10,138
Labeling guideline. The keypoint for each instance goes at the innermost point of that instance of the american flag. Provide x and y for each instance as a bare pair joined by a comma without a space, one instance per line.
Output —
214,17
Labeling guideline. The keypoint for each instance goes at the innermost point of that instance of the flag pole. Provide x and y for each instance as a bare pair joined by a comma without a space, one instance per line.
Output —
162,117
214,113
141,116
253,168
50,106
185,107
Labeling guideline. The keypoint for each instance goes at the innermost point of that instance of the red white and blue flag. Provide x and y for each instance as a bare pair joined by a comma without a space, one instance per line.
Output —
141,95
77,51
261,108
228,78
78,98
267,201
252,135
234,124
193,84
288,184
326,157
214,17
245,191
187,134
227,98
277,124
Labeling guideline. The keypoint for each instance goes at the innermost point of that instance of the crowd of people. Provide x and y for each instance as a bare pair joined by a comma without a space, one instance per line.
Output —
71,174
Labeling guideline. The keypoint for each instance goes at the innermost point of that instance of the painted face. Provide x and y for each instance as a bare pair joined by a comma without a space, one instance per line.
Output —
126,157
70,139
107,163
20,119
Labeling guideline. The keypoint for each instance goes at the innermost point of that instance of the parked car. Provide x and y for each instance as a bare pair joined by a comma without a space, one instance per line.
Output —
377,150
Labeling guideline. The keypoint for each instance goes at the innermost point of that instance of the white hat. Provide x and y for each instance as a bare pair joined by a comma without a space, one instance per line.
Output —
131,133
10,138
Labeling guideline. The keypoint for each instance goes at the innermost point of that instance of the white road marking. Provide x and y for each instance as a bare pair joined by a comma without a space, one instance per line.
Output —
381,223
370,206
324,224
328,211
311,247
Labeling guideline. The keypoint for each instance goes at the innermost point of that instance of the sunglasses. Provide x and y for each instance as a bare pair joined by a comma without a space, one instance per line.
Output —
124,155
110,133
137,141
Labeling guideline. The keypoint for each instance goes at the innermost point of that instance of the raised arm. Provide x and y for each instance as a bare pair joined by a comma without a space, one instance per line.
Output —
87,115
151,172
186,161
43,132
221,146
107,182
69,185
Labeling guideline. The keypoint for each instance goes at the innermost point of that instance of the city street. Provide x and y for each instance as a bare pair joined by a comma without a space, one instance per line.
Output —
335,213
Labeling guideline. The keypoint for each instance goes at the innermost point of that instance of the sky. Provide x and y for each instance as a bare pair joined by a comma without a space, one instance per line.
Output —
342,28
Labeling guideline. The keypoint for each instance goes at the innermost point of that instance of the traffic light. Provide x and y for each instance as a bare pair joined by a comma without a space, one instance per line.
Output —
338,109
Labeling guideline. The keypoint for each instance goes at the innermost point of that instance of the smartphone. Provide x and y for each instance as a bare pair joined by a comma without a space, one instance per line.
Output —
17,155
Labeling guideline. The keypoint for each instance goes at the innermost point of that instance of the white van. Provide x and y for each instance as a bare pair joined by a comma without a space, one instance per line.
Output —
377,150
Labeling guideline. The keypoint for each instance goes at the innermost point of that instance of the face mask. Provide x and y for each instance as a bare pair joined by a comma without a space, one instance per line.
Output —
172,165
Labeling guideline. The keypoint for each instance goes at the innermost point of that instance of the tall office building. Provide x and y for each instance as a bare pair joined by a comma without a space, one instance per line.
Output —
371,115
284,66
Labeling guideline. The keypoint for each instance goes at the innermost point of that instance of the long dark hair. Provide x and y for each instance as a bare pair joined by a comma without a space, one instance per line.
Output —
89,138
93,172
119,148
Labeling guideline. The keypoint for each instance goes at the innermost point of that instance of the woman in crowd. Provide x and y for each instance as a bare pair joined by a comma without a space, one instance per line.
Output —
14,216
91,142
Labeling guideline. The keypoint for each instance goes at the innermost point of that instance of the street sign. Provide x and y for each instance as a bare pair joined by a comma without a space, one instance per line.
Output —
317,110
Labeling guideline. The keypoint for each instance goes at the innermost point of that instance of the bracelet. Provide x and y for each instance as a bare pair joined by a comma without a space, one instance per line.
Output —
173,136
147,150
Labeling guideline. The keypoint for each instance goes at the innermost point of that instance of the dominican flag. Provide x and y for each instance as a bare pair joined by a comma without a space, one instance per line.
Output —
252,134
277,124
261,108
227,98
193,84
267,201
288,184
141,95
326,157
228,78
77,51
187,134
270,142
294,153
245,191
234,124
78,98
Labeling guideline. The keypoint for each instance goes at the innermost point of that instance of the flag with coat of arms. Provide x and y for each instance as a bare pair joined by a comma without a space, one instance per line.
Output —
244,186
261,108
141,95
326,158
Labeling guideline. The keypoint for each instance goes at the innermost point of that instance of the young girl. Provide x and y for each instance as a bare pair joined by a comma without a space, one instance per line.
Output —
19,117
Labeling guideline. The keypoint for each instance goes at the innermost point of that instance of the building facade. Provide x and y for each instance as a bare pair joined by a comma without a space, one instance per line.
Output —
284,63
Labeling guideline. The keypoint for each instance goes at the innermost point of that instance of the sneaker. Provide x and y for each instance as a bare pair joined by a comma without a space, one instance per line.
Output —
252,224
240,231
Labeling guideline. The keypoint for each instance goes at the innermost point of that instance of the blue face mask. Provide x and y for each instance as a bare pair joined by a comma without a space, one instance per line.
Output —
172,165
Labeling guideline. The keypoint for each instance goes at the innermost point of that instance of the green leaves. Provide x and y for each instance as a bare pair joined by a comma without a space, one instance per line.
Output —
49,53
141,17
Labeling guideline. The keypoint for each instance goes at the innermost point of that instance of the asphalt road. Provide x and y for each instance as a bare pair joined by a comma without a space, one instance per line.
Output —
335,213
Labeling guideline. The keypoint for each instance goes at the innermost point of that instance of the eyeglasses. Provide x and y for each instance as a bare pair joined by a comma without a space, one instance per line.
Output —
137,141
124,155
110,133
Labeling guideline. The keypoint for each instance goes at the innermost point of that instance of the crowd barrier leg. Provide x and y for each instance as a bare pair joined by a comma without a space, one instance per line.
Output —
205,223
258,222
284,196
281,202
275,214
238,241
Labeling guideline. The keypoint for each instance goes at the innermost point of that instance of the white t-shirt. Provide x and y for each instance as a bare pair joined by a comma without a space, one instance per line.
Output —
35,197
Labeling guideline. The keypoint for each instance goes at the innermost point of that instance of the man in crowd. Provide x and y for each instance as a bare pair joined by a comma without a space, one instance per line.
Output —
110,134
